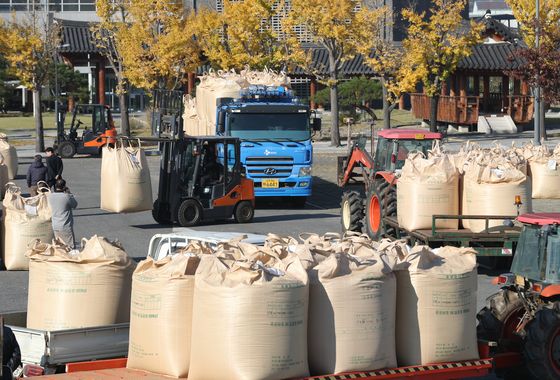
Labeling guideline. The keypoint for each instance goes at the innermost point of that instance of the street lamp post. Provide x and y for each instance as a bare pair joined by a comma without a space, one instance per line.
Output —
537,116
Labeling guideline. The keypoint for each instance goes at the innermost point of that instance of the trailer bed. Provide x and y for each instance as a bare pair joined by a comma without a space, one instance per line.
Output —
112,369
497,241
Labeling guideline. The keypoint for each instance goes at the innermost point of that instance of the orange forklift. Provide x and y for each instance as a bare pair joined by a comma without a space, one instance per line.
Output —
98,130
201,179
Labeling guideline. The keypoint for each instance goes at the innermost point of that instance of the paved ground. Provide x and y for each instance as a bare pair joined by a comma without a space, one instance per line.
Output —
134,230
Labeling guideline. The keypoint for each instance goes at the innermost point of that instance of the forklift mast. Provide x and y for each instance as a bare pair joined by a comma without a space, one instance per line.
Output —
60,119
167,113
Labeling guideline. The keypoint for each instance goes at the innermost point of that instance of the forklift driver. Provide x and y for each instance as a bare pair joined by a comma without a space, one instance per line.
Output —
211,168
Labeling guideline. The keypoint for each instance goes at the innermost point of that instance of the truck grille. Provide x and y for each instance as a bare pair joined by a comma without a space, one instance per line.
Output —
269,167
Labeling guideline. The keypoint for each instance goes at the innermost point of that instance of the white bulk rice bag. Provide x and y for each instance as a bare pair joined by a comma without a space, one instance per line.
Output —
125,180
249,319
161,315
436,306
9,153
73,289
546,178
212,87
4,176
352,304
191,120
427,187
544,171
25,219
490,188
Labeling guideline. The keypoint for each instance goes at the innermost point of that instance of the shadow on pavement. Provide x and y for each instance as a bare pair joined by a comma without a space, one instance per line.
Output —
326,194
280,218
153,226
94,214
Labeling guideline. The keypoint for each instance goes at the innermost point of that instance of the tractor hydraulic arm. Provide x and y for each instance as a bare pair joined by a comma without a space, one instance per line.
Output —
357,157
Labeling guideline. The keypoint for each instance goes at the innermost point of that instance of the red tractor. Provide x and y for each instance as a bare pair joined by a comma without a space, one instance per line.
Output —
370,213
524,316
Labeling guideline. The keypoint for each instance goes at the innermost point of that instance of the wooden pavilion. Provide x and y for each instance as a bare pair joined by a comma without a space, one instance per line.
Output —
482,84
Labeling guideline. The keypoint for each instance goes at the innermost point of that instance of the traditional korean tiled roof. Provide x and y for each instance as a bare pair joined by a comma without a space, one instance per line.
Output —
493,25
76,37
320,65
499,56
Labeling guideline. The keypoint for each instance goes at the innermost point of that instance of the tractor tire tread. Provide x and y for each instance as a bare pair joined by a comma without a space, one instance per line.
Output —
491,318
387,194
537,342
356,211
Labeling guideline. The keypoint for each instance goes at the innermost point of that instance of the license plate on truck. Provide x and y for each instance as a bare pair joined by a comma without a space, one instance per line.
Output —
269,184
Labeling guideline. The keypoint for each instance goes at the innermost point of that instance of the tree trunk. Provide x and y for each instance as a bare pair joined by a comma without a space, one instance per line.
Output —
335,134
39,135
386,109
123,104
434,100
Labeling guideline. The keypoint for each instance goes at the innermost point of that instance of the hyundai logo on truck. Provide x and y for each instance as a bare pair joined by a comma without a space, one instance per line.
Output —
269,171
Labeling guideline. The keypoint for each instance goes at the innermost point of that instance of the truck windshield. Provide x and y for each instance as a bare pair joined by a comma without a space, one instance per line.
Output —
278,126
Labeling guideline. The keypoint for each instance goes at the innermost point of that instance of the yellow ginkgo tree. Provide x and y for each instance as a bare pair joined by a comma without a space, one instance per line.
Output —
540,67
434,45
338,26
243,34
29,46
385,58
158,46
114,18
525,14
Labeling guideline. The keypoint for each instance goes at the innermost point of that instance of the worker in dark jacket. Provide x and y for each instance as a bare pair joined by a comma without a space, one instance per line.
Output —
54,166
37,172
11,355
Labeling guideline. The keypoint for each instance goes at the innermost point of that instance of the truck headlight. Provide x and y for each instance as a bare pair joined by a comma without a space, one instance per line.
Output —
305,171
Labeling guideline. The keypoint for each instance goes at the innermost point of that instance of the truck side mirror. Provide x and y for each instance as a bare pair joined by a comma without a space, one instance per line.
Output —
316,124
221,122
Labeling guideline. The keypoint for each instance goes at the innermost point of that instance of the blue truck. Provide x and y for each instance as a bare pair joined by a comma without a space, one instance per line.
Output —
275,130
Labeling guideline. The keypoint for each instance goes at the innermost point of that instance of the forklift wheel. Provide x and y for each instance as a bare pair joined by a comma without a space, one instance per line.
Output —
66,149
159,215
190,213
244,212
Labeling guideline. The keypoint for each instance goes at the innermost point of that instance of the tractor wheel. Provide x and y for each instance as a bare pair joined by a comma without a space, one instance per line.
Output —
66,149
158,214
542,343
497,323
499,319
351,211
189,213
244,212
381,202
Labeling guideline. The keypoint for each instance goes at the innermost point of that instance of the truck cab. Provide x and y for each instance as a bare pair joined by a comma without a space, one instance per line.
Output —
275,131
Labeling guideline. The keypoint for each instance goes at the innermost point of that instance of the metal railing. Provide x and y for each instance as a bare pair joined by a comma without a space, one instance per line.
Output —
451,109
47,5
